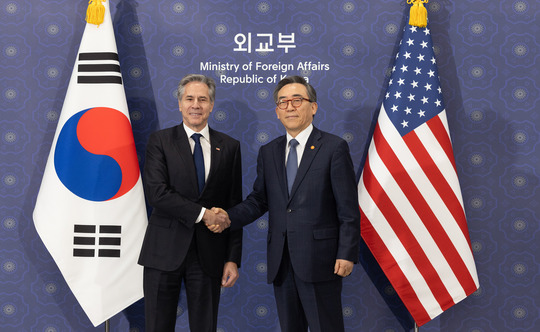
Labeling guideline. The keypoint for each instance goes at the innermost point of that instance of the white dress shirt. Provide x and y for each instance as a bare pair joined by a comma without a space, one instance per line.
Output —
302,138
205,144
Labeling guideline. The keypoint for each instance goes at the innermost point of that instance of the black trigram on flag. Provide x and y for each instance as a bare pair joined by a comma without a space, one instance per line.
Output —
99,68
107,239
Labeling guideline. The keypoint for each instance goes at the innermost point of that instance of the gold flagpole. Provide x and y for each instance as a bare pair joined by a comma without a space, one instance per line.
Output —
95,15
418,17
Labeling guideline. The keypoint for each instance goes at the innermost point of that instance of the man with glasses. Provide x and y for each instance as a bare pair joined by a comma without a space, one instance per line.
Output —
306,181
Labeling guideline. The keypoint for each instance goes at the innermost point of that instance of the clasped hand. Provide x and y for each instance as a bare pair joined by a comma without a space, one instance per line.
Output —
216,219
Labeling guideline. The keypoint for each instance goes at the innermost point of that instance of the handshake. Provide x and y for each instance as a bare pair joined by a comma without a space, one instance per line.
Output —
216,219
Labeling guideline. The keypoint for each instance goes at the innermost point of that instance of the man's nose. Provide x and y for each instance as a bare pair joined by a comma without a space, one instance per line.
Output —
290,107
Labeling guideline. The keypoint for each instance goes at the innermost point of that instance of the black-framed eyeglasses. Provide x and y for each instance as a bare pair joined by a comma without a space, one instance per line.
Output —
295,102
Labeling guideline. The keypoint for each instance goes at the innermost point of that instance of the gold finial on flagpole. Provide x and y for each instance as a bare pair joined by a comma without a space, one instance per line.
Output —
95,12
418,13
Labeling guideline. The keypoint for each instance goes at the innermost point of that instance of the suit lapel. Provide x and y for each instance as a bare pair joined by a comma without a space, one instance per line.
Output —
313,145
279,162
181,144
216,148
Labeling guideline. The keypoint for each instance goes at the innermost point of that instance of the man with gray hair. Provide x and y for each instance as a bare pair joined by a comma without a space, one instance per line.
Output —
306,182
190,168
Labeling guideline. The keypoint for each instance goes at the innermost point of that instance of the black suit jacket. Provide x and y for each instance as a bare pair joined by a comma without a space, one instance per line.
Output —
170,184
320,219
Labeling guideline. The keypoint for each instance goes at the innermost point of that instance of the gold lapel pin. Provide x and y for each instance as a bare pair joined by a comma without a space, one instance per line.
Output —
312,147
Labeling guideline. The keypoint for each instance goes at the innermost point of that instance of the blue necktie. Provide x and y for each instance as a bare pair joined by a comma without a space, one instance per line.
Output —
292,163
199,160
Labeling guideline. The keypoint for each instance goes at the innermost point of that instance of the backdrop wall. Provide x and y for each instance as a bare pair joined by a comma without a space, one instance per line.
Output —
487,54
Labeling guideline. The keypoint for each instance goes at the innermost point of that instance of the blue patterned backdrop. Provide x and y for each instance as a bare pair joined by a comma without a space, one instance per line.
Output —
487,53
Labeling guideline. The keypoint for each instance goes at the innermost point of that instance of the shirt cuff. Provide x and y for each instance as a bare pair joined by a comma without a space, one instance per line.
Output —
199,218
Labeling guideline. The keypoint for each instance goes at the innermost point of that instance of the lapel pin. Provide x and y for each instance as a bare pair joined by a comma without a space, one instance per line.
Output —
218,149
312,147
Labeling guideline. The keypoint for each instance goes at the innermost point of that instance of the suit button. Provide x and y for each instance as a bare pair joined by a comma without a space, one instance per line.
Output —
284,234
289,210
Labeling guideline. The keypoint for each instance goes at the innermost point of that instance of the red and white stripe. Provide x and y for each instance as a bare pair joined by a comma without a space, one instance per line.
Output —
413,218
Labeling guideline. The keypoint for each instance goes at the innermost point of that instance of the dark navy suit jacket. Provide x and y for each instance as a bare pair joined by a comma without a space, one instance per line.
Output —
170,184
320,219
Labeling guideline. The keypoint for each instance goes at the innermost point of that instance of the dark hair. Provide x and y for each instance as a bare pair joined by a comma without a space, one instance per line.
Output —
197,78
312,95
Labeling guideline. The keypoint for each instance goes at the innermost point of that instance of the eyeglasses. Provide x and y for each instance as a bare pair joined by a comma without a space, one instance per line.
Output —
295,102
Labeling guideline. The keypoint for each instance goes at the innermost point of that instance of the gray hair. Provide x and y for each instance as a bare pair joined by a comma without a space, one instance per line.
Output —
312,94
197,78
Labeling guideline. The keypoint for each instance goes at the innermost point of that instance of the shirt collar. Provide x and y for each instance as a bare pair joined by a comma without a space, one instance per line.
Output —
205,132
303,136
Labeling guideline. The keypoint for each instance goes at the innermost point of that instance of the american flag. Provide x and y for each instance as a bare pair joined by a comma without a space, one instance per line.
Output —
413,218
